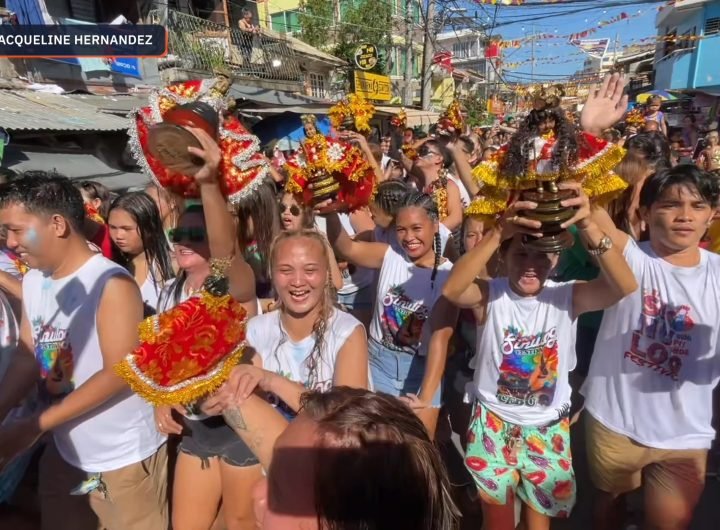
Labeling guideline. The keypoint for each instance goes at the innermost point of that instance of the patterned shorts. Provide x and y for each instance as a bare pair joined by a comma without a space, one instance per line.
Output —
539,469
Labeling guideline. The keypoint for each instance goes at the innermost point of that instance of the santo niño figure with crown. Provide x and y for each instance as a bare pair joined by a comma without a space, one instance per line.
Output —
327,168
188,351
546,150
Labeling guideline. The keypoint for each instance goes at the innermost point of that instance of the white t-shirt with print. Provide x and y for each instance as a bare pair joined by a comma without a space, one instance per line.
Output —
289,359
63,314
465,198
525,351
405,298
656,359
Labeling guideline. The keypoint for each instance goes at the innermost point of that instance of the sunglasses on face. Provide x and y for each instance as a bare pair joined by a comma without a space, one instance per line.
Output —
425,152
194,235
294,209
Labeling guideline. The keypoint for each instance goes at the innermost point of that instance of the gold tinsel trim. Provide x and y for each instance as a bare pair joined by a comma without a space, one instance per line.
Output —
293,187
604,188
487,205
488,173
160,396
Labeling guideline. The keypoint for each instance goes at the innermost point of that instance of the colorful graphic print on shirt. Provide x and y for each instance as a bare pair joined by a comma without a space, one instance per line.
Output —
402,320
528,372
663,338
54,355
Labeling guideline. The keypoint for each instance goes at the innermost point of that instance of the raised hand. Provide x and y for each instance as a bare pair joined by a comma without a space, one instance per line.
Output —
605,106
209,153
580,202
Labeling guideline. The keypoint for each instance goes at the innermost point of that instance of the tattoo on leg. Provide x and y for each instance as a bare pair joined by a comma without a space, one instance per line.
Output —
233,417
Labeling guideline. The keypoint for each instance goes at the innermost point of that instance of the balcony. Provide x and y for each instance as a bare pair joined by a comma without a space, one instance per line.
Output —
196,47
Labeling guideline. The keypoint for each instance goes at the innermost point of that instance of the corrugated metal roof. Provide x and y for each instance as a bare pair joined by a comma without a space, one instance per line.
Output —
76,166
120,104
28,110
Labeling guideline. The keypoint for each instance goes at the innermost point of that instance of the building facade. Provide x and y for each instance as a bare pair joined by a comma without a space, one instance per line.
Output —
688,46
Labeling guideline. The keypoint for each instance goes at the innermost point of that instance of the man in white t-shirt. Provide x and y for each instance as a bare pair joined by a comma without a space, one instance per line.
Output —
80,317
656,360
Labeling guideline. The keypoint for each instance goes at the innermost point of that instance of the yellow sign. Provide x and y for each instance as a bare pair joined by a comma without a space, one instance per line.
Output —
373,86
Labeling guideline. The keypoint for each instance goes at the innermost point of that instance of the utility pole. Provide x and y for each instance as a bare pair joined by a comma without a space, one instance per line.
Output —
428,53
409,54
532,63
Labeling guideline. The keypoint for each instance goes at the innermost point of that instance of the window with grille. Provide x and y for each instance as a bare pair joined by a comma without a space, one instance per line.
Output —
712,26
317,85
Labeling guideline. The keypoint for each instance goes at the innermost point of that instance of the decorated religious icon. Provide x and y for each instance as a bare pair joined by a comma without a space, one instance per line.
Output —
160,136
547,149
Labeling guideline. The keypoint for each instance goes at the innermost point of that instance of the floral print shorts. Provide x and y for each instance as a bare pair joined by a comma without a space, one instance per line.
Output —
534,462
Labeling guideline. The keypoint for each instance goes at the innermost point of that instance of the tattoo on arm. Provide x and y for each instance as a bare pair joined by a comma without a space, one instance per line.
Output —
233,417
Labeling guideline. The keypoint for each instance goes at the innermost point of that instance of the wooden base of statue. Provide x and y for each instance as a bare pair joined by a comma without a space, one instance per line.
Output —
169,140
551,214
324,188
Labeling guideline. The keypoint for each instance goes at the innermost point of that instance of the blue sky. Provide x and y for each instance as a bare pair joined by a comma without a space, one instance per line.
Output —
517,22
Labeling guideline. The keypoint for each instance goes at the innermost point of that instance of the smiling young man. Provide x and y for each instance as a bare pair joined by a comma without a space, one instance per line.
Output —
656,360
80,316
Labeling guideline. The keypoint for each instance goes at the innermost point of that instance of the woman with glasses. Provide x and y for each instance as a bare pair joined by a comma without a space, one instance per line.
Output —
431,166
213,463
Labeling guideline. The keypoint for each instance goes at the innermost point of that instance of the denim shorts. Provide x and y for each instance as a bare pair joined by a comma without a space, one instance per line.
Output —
398,373
360,299
213,438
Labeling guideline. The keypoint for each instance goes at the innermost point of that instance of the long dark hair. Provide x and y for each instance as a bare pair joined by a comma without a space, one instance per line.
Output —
155,246
565,154
262,207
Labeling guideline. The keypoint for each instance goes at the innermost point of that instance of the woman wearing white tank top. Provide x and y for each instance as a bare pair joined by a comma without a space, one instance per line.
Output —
137,234
305,344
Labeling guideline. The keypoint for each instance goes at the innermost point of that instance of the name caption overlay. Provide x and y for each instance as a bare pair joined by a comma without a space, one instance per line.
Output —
81,40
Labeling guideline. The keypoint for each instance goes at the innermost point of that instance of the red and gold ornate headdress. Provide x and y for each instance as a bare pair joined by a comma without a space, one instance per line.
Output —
451,121
399,120
352,112
188,351
242,167
330,163
635,118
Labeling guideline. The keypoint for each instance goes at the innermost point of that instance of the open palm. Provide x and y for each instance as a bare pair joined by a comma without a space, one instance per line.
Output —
605,106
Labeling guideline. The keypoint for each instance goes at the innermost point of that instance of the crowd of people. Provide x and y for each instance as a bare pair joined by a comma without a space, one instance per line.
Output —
370,331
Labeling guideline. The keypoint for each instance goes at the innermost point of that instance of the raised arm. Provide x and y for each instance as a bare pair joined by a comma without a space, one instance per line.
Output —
616,279
464,287
455,208
361,253
464,171
219,221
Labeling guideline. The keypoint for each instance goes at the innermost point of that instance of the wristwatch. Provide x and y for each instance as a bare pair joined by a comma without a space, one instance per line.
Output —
605,245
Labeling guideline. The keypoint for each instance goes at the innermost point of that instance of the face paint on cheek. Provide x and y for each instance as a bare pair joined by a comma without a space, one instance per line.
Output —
32,239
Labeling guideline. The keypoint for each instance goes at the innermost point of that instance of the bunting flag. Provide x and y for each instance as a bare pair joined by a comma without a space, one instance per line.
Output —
444,60
593,47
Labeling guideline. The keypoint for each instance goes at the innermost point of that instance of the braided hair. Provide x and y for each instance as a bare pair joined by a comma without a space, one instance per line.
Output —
416,199
390,195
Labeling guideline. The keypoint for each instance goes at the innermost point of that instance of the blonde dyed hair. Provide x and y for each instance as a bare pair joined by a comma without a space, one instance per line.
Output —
327,304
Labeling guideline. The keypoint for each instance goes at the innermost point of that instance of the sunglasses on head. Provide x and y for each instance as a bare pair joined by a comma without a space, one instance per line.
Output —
294,209
194,235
